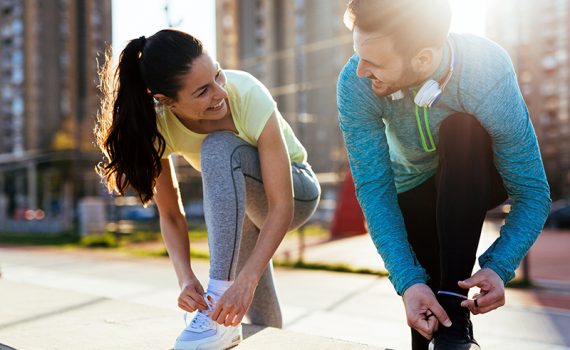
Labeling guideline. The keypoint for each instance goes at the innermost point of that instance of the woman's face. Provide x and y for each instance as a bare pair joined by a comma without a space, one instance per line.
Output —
203,95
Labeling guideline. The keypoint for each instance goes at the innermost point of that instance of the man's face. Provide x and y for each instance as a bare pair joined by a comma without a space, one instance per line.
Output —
387,69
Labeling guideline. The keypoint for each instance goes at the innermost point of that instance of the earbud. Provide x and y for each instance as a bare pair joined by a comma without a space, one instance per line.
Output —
398,95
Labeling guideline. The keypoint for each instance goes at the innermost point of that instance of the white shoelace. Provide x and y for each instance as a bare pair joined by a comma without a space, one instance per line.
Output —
201,321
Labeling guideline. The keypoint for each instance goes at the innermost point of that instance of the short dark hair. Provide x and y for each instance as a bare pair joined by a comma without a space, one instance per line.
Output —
414,24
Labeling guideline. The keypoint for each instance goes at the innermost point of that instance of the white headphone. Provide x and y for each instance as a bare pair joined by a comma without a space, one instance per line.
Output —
431,90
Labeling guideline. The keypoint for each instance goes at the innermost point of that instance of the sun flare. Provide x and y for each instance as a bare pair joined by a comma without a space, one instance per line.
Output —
468,16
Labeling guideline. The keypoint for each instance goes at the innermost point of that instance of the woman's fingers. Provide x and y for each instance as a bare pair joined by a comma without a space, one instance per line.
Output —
190,299
239,317
223,313
230,320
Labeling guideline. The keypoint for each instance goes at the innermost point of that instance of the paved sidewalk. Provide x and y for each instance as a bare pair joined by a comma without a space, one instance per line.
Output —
58,299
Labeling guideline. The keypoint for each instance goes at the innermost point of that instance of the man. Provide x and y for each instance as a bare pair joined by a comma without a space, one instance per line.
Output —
437,133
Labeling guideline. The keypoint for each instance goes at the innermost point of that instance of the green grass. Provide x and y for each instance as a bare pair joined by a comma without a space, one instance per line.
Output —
196,254
153,253
313,230
198,233
327,267
38,239
106,240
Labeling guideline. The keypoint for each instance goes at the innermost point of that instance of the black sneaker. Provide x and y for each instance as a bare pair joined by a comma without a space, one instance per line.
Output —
460,335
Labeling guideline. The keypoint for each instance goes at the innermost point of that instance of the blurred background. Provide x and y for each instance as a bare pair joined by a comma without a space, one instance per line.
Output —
49,54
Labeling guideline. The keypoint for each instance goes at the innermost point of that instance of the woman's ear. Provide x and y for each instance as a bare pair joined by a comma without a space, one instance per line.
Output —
166,101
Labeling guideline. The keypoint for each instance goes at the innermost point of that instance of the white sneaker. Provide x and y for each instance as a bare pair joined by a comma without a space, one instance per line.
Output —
204,334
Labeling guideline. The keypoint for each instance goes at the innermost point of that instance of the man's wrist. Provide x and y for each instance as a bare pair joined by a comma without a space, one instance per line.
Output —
413,287
505,276
410,283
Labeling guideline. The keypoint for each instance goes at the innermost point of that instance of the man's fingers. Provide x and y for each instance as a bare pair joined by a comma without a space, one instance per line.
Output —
471,282
432,324
484,303
470,304
491,298
440,314
490,307
422,327
426,325
436,325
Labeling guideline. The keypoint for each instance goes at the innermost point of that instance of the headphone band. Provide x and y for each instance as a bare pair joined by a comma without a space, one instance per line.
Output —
451,65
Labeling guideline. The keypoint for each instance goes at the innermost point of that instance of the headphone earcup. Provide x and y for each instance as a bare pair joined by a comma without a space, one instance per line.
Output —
428,94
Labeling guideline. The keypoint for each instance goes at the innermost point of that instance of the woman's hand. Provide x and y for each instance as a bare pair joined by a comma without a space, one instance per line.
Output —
235,302
191,297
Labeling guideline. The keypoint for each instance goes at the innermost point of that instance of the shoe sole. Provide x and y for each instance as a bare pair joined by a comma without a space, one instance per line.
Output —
215,345
473,346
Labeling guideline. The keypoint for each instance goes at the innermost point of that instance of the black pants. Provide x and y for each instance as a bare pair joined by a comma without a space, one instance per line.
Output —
445,214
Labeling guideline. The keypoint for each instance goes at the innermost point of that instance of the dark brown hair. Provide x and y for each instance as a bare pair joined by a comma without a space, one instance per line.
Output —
126,130
413,24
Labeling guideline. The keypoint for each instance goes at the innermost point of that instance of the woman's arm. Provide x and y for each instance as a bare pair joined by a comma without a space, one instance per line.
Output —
276,176
175,233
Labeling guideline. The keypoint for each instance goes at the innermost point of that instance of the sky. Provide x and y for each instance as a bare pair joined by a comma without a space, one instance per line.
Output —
133,18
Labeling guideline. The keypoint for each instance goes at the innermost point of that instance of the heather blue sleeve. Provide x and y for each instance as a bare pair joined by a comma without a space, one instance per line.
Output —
503,113
365,140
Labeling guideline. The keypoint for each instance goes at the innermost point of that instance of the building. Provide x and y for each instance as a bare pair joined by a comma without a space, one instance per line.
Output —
537,36
48,105
297,49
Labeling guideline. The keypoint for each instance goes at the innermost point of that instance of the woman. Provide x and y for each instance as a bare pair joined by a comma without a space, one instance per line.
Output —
168,96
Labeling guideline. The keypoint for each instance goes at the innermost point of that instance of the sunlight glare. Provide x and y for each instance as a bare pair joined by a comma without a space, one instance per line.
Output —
468,16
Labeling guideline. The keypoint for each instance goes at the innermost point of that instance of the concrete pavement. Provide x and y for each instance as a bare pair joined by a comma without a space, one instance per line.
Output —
58,299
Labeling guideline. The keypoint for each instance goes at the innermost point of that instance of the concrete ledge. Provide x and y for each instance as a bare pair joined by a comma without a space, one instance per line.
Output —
256,337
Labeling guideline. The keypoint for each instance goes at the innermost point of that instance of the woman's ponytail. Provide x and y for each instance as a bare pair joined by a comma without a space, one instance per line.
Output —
127,132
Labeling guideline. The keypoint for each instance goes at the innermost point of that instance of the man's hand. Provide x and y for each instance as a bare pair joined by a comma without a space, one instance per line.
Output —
423,311
491,291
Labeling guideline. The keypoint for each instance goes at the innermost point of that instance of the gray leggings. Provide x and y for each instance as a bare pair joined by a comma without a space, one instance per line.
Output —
235,207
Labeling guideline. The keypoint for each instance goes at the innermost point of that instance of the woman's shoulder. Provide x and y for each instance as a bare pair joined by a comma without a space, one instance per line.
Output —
242,80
